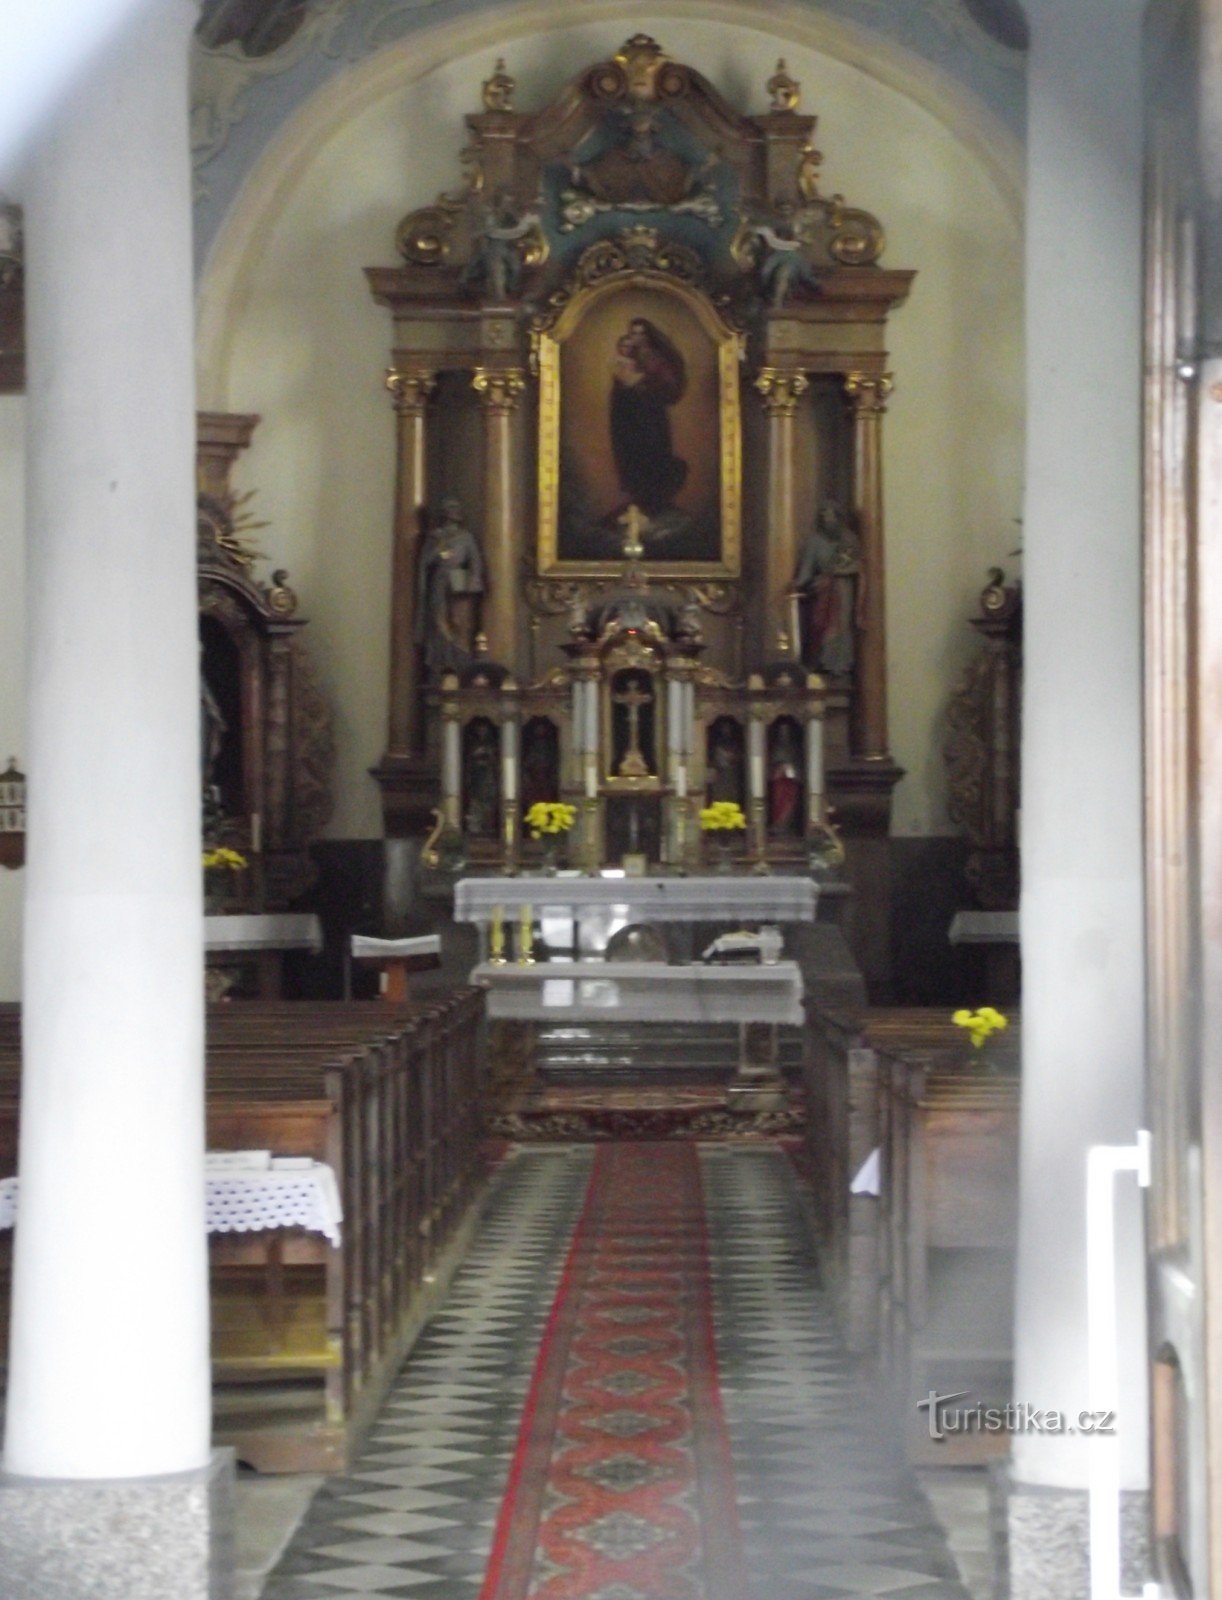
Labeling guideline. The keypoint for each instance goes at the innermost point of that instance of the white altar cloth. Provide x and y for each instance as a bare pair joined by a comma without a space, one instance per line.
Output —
264,930
728,899
287,1194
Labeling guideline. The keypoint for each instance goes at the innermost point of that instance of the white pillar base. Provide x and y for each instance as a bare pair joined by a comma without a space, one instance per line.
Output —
166,1538
1045,1537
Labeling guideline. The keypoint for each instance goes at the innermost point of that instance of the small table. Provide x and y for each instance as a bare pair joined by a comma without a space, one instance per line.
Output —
265,935
395,958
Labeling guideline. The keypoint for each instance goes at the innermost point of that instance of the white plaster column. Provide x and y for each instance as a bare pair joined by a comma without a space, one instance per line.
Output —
109,1372
1081,913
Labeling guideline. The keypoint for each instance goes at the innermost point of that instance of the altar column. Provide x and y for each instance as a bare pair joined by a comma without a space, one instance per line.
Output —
499,392
109,1375
1081,914
868,398
780,390
411,388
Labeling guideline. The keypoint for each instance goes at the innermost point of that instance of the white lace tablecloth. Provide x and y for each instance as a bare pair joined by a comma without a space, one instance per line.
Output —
251,1202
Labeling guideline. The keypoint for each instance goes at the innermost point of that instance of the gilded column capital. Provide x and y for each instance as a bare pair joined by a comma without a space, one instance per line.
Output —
410,388
868,392
780,388
501,389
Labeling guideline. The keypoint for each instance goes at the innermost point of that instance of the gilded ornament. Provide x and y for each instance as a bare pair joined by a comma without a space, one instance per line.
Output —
411,389
498,90
780,389
280,597
785,92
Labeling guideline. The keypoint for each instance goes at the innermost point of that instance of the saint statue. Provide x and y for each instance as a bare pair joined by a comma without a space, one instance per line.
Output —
725,763
648,378
784,781
212,728
450,566
829,575
482,781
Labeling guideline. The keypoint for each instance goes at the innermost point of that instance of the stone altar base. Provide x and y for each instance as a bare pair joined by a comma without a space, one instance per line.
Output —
164,1538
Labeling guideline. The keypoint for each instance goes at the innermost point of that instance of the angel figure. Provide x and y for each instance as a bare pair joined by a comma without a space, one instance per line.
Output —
497,262
784,266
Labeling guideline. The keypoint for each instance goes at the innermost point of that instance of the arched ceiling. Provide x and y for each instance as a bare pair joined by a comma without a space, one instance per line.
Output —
257,62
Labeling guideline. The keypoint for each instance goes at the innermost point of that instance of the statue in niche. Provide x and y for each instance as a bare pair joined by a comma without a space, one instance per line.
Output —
481,780
829,576
497,261
212,730
450,567
784,780
783,264
540,762
725,761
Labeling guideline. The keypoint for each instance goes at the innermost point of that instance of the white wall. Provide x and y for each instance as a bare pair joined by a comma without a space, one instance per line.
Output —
292,333
12,662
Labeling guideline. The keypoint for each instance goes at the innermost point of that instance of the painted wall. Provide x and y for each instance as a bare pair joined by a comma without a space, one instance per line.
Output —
291,332
12,662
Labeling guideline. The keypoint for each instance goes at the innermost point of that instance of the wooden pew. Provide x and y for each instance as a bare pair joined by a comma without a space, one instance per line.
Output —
307,1338
919,1277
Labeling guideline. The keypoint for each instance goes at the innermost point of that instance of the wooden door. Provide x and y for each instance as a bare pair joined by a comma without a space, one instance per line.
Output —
1183,690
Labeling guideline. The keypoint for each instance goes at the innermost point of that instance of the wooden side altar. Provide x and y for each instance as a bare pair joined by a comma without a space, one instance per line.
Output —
639,372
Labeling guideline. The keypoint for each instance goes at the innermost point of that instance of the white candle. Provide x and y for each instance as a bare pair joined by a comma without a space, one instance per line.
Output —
674,717
814,759
591,716
451,776
509,760
755,747
689,717
591,774
579,716
681,781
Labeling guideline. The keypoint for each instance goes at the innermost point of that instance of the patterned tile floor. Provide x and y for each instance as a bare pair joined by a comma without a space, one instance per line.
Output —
829,1510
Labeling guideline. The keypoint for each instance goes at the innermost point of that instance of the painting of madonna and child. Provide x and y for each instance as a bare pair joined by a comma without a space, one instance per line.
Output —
647,391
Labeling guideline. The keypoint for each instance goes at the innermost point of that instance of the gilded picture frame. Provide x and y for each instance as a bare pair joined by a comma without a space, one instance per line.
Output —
639,405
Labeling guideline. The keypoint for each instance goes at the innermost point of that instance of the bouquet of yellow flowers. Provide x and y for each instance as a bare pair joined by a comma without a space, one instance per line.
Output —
222,859
722,816
550,817
980,1023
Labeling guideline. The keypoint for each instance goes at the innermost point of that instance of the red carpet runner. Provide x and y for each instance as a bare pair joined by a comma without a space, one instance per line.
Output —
622,1487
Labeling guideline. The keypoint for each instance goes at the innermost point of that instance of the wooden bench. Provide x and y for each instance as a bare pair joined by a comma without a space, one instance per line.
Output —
921,1275
307,1338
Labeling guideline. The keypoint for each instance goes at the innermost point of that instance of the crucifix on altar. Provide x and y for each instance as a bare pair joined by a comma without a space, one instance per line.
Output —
633,698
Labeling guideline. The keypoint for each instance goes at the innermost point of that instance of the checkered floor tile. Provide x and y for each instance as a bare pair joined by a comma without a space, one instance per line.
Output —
828,1508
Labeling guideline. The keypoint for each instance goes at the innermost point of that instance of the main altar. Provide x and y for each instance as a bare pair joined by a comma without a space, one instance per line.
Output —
639,371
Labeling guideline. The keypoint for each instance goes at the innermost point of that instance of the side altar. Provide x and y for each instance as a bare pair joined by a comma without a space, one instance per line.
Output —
639,369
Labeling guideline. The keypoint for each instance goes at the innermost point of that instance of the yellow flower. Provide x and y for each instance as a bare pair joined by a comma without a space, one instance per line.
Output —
980,1023
550,817
224,859
722,814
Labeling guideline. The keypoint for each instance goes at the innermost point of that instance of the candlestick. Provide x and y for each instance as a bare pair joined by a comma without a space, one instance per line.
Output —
496,955
526,940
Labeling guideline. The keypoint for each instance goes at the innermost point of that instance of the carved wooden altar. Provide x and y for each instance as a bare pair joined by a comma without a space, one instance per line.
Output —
636,251
267,772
